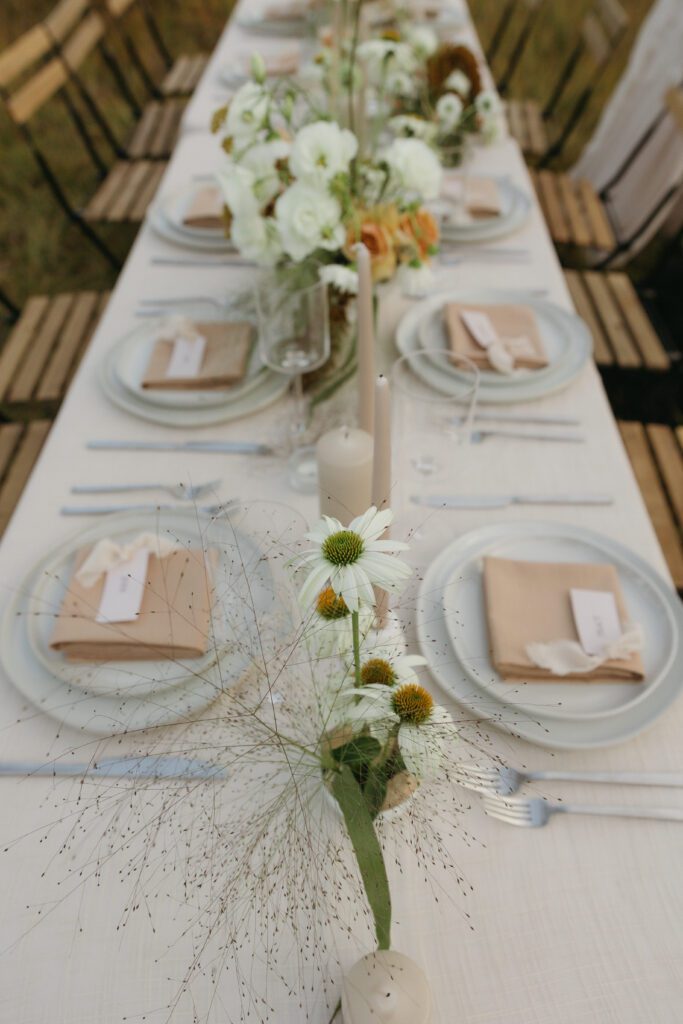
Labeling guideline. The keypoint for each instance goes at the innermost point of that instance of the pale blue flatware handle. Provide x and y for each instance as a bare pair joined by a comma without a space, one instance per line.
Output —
146,767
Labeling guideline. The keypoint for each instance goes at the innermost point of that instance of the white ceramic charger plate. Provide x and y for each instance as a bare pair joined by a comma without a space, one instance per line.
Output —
165,216
560,330
44,677
515,209
453,637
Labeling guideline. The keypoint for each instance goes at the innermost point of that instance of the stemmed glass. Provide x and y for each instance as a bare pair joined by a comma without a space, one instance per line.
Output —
294,338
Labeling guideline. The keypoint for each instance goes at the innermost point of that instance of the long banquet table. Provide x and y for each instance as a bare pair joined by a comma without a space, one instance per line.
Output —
577,922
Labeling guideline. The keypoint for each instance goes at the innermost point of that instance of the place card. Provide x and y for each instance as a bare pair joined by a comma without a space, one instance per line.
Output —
186,357
480,327
596,618
124,588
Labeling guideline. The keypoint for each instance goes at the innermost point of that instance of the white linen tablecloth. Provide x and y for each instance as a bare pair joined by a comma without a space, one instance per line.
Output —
578,922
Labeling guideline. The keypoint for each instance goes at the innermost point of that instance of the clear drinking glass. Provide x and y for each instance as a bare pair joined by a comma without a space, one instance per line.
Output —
434,397
294,338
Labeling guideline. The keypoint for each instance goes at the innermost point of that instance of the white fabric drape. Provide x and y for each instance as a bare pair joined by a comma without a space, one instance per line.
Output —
655,64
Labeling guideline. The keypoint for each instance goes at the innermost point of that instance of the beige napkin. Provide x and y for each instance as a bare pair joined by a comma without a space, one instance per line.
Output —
482,198
225,359
206,209
510,322
173,622
529,602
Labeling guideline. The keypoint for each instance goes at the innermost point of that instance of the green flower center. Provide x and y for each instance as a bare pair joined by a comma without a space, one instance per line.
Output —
343,548
412,703
377,672
330,606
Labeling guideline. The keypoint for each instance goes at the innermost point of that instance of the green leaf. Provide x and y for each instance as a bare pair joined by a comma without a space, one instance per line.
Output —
367,850
375,789
359,751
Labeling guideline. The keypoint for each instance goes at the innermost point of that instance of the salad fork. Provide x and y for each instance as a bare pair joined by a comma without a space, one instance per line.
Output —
504,781
535,813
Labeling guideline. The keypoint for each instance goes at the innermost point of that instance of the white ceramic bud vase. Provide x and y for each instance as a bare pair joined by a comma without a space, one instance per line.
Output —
386,988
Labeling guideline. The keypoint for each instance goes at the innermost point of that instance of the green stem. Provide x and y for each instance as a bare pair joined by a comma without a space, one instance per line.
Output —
355,625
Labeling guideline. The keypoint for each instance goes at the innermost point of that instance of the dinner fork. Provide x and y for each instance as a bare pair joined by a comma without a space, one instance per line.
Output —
145,767
534,812
504,781
187,492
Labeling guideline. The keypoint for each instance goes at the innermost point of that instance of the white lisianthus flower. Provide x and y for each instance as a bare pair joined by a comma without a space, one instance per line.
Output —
410,127
321,150
492,125
353,559
309,218
449,110
247,111
415,167
424,728
237,185
401,83
423,41
382,56
341,277
258,68
488,103
261,161
458,82
257,238
415,281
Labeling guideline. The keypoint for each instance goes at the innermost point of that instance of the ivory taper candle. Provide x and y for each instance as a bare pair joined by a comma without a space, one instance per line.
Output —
381,473
366,342
345,473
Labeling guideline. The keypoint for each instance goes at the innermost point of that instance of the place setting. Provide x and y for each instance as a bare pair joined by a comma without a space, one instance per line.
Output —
474,209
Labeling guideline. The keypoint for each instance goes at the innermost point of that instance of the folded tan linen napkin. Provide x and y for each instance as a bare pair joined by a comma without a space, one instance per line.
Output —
173,621
529,602
224,363
515,326
482,197
206,209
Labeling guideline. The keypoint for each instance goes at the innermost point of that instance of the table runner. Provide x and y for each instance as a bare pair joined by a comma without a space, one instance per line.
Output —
572,923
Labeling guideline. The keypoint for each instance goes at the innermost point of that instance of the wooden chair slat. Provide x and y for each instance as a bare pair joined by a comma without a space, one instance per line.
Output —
580,231
617,330
552,206
24,52
635,440
41,87
99,204
26,379
538,137
613,17
669,456
75,332
166,129
19,341
517,124
198,68
62,18
655,356
674,101
148,191
171,83
83,41
20,469
131,185
118,7
595,39
584,307
9,438
601,229
145,131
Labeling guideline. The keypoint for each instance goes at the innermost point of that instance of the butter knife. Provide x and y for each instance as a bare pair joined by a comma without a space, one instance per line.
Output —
504,500
223,447
110,510
147,767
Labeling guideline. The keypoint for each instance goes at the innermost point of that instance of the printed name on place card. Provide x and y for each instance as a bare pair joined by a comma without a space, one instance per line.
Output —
186,358
480,327
124,588
596,617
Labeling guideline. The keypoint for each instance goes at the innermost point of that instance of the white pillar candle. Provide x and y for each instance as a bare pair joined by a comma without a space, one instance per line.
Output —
381,475
366,342
345,473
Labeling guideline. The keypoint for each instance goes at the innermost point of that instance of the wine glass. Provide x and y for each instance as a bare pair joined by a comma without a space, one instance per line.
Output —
294,338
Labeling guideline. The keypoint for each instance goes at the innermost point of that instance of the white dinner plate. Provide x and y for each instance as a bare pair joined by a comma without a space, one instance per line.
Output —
131,354
560,330
163,216
114,698
453,637
515,209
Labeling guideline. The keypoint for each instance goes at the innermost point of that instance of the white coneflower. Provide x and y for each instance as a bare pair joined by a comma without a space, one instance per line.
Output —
353,559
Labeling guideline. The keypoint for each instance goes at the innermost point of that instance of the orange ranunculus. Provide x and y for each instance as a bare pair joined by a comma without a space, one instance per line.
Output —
377,240
421,229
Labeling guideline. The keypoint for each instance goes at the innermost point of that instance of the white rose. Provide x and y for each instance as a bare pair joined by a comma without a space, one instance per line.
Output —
261,161
308,218
341,277
458,82
248,111
449,110
257,238
423,41
321,150
415,167
237,185
488,103
400,83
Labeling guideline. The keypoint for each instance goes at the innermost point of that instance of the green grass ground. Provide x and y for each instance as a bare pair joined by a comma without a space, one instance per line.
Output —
41,252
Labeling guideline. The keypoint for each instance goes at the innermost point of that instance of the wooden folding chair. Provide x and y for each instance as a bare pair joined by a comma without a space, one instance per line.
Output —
20,446
541,133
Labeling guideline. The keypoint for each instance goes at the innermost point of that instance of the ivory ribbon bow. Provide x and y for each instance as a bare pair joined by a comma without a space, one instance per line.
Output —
107,555
562,657
175,327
